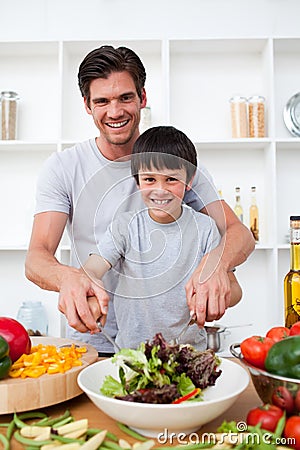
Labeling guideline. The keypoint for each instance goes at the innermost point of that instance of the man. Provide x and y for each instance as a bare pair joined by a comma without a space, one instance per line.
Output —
85,186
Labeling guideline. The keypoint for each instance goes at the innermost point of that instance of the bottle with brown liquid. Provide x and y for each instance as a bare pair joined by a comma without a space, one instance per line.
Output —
253,215
238,209
292,279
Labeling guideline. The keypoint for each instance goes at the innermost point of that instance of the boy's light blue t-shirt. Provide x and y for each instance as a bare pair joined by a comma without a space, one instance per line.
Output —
156,261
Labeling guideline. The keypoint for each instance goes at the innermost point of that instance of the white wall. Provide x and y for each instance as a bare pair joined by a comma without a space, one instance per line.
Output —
54,20
120,19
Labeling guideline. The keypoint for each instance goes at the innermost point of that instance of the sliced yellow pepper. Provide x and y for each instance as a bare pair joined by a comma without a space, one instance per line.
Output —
47,359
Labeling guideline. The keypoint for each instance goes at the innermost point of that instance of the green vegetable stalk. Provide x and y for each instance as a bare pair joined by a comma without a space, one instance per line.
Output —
5,361
283,358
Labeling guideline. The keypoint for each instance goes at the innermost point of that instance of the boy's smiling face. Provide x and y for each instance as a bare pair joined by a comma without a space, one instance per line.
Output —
163,191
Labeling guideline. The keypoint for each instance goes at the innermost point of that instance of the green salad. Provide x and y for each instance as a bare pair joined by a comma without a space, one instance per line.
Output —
157,372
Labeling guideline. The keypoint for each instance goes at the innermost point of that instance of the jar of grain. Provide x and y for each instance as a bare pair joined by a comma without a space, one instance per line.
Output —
8,114
238,112
256,116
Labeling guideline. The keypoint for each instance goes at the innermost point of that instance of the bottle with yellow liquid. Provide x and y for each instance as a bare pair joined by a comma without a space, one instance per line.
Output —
238,209
292,279
253,215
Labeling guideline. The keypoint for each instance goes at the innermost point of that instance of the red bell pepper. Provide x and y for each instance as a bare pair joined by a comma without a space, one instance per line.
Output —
191,394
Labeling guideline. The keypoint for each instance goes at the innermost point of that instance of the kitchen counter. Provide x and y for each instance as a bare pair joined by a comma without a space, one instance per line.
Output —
81,407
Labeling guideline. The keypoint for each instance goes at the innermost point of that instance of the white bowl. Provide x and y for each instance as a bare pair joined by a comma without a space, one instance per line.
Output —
150,419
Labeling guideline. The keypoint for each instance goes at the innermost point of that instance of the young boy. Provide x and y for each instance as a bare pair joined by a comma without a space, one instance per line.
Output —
155,250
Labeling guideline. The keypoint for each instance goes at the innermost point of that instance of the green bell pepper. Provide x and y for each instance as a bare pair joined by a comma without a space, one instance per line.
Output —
283,358
5,361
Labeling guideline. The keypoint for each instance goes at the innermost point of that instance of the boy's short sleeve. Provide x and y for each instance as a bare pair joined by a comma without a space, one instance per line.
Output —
113,243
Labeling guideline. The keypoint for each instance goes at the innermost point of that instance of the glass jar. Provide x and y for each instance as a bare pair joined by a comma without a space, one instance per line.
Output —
8,114
238,112
33,316
256,116
145,121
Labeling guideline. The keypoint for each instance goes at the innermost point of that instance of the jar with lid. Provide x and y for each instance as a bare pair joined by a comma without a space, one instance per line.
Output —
256,116
33,317
8,114
239,121
145,121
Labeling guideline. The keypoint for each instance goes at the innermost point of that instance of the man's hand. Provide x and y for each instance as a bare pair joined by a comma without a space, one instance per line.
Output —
208,291
75,290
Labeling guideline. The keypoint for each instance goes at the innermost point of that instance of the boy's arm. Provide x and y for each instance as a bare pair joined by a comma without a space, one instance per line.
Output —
96,267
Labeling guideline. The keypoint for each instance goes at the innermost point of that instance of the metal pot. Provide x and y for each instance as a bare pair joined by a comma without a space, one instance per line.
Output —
215,337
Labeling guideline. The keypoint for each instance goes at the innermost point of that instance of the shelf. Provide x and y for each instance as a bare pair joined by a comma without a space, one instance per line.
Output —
25,146
229,144
288,144
189,84
13,247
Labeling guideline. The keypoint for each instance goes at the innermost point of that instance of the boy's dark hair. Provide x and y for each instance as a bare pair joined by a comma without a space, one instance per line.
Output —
102,61
163,146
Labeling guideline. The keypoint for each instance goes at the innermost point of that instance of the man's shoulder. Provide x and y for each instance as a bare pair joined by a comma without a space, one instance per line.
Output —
80,149
198,216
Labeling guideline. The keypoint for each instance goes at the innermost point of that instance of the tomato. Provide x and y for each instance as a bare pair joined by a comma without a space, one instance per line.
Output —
278,333
255,348
16,336
283,398
267,416
295,329
297,401
292,431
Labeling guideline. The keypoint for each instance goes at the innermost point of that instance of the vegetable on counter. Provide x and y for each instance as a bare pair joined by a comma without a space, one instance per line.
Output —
278,333
266,415
5,361
295,329
292,430
283,398
16,336
46,359
255,349
64,432
283,358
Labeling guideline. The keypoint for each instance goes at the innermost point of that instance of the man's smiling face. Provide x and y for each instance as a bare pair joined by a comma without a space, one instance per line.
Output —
115,107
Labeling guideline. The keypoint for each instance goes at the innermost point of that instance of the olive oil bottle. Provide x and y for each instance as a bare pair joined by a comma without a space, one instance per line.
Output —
238,209
253,215
292,278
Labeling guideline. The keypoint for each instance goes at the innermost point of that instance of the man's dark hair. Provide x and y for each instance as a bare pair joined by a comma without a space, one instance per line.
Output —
163,147
103,61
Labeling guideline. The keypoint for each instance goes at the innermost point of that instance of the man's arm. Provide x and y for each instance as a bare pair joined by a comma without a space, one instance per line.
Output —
210,282
43,269
235,289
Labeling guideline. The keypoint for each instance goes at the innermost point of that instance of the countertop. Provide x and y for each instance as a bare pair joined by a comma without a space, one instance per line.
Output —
81,407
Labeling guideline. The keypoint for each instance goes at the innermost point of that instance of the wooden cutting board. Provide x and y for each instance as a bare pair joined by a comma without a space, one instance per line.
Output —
27,394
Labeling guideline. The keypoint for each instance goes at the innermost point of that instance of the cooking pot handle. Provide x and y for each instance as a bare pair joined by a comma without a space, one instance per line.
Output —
233,348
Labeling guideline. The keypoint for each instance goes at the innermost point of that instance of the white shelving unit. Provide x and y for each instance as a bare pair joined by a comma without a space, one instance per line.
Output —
189,83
